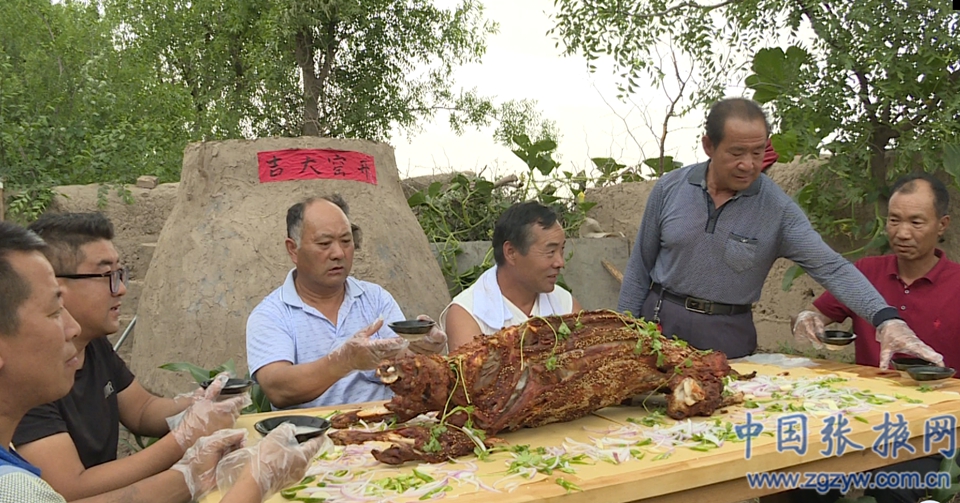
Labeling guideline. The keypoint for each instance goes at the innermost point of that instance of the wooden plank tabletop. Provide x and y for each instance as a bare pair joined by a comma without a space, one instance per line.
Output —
713,476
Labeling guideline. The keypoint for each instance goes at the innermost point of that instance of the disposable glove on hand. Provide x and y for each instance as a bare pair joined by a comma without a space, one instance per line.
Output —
200,393
895,336
434,343
207,415
276,462
199,464
361,352
808,326
212,392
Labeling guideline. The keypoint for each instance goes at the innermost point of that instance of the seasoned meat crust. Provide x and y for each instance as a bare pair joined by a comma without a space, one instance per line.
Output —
547,370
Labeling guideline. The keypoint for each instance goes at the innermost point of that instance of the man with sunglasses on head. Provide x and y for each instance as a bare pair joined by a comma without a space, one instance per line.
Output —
74,439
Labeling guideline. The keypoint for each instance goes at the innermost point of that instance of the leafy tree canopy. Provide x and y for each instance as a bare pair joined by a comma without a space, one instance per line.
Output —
107,90
874,85
72,108
339,68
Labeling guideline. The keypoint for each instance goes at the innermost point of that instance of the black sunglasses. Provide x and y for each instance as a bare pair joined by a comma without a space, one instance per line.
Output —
116,277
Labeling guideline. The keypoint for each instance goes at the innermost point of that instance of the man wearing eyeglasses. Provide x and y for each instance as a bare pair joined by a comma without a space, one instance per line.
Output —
74,440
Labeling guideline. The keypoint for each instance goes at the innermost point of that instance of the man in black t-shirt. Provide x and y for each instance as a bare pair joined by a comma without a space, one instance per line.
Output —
74,440
89,413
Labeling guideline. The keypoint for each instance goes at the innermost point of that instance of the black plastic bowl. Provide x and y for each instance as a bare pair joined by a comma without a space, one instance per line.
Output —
412,327
930,373
837,337
907,362
309,426
233,386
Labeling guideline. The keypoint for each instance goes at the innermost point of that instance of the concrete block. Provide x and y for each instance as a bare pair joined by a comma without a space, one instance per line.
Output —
147,182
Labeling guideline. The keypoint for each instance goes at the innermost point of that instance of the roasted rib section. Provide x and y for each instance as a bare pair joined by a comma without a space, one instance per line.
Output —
553,369
412,443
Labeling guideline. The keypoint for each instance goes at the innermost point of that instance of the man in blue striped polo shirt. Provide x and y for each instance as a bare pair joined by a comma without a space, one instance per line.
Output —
315,340
710,234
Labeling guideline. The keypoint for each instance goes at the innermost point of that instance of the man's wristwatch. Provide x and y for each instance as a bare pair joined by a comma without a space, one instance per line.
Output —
886,314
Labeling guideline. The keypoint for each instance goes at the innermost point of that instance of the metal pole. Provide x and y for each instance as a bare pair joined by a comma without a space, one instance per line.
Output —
126,332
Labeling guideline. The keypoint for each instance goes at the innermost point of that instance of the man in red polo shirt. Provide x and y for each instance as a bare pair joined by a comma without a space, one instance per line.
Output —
918,279
770,156
922,283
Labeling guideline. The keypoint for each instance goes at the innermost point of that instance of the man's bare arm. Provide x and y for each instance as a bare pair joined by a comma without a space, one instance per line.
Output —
460,326
286,384
166,487
57,458
576,305
146,414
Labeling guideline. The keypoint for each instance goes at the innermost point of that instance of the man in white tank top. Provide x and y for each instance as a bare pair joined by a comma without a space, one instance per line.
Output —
528,248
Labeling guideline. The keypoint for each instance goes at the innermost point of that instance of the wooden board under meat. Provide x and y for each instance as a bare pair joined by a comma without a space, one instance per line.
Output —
684,468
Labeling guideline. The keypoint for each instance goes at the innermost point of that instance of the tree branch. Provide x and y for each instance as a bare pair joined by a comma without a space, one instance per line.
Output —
329,54
53,40
303,51
690,5
622,119
671,110
864,92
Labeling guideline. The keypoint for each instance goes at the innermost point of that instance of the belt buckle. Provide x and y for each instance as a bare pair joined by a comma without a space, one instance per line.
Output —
698,305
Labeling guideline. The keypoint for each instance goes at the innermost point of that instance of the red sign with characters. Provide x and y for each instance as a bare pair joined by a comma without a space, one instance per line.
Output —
313,164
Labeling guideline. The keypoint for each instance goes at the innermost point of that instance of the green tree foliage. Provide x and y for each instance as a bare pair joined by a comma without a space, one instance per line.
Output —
72,108
337,68
875,85
107,90
466,208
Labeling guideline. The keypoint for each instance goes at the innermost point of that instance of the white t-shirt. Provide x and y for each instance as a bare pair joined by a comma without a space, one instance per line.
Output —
492,311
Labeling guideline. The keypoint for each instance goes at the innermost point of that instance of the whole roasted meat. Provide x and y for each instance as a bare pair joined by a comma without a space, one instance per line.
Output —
546,370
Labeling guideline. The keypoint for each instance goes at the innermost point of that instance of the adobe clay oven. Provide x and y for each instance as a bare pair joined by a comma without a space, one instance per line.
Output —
221,250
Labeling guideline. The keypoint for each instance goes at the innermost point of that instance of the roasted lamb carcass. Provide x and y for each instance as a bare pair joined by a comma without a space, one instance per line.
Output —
552,369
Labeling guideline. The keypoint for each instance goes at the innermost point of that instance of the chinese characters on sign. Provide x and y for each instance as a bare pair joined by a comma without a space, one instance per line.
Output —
315,164
893,435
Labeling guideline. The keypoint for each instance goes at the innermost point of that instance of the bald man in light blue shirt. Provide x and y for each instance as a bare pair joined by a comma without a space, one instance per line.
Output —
315,340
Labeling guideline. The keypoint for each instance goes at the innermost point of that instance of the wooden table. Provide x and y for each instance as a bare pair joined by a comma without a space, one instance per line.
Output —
710,477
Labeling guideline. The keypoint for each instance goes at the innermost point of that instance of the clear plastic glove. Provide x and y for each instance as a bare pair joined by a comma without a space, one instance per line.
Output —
206,415
360,352
187,399
895,336
276,462
211,393
434,343
807,327
199,464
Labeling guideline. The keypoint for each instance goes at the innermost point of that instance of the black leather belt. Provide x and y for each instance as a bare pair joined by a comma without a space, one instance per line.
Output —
701,306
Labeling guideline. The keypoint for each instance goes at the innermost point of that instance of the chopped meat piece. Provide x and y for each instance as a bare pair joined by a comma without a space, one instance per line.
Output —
411,443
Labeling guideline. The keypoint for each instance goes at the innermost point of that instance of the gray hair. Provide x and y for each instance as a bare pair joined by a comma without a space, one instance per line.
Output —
295,217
